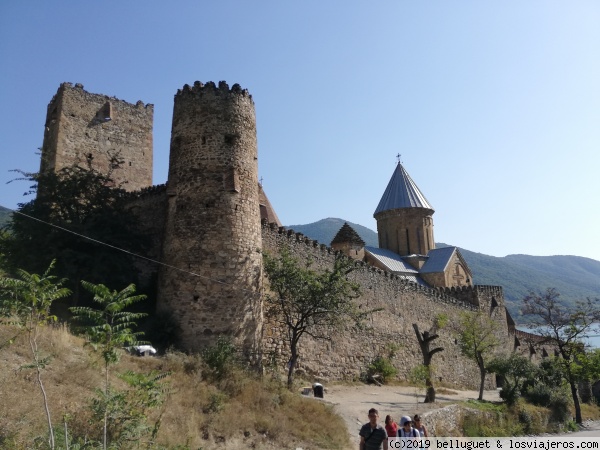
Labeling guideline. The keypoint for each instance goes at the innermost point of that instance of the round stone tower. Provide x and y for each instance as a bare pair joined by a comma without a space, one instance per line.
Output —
213,233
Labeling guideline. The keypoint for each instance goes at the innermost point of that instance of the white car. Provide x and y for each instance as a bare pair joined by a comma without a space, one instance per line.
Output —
143,350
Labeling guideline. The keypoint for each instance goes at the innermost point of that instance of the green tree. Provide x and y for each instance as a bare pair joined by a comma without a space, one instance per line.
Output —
564,327
72,205
591,364
109,330
516,370
130,409
477,338
27,300
310,302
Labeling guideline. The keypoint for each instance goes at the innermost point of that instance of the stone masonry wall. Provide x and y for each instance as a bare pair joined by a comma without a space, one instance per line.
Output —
213,219
150,208
83,128
403,303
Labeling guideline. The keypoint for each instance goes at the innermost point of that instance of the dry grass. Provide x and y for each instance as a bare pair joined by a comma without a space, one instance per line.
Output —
240,411
590,412
498,419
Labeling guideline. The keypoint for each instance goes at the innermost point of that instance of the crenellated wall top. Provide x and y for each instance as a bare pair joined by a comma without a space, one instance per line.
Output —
494,290
211,88
79,87
530,337
441,295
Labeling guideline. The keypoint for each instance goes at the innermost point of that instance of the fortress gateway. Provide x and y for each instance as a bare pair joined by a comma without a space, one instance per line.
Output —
213,219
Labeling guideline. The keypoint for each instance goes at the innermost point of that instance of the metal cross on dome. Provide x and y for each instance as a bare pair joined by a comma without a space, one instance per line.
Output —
399,158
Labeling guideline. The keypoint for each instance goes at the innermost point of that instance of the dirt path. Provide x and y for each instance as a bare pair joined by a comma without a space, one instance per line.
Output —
353,402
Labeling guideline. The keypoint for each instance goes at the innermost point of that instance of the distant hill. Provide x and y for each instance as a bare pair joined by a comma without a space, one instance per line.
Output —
574,277
5,215
325,230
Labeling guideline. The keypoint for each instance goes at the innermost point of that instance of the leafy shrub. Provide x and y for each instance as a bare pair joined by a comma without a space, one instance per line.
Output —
571,425
441,320
517,371
381,369
557,400
391,349
509,394
219,358
216,402
551,372
526,419
539,394
559,405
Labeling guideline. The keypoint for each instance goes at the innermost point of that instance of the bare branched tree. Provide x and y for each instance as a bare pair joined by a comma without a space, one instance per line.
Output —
426,339
565,328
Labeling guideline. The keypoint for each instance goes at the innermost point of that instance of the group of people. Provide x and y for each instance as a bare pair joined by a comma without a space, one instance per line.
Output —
375,437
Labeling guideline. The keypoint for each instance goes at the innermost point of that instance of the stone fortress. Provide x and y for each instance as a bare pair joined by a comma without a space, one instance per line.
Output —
212,221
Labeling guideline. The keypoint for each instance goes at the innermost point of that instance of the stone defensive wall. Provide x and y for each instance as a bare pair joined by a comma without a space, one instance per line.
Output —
402,303
533,346
491,300
149,205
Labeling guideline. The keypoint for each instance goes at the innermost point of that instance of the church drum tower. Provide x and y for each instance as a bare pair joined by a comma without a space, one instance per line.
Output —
404,217
213,232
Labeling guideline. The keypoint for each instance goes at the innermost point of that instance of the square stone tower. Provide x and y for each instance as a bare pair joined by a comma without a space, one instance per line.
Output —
110,135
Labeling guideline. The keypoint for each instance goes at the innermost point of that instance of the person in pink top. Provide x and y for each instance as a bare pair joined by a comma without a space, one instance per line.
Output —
390,426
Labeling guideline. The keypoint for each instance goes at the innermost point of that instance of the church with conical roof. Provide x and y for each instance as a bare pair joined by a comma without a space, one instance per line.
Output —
406,244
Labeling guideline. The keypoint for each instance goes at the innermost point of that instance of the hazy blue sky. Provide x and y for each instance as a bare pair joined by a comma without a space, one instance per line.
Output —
494,106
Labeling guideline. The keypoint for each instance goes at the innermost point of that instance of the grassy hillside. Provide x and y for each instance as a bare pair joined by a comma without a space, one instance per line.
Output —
574,277
238,411
564,268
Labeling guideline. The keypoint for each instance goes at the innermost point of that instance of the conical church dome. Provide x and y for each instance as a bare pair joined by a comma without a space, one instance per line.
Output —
404,217
402,192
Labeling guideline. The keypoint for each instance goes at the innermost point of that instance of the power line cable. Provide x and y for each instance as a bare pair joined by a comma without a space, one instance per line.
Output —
127,251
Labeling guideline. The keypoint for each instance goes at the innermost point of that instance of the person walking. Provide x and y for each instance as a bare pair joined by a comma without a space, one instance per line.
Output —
418,424
372,435
406,430
391,427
